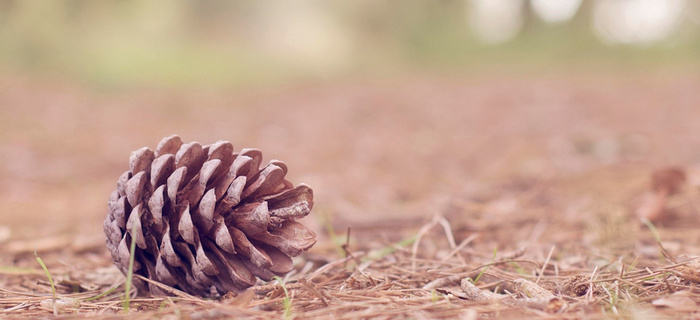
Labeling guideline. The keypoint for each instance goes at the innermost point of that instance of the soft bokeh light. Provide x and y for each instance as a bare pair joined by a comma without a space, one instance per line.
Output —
496,21
637,21
555,11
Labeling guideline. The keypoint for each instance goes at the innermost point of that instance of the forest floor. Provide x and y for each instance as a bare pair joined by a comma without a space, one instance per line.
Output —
467,198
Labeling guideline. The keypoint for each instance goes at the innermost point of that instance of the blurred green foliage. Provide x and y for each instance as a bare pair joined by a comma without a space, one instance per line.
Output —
216,42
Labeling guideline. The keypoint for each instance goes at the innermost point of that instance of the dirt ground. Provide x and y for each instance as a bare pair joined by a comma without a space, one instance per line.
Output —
438,179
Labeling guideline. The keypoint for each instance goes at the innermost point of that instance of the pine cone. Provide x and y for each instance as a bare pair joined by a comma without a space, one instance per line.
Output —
204,216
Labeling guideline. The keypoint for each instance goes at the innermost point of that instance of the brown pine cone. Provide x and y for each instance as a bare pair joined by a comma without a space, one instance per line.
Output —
205,217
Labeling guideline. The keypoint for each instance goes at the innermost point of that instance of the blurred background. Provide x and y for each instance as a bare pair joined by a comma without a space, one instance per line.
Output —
224,43
389,109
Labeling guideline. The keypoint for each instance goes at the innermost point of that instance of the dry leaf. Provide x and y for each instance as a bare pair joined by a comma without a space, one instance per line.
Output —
664,183
678,301
690,272
529,289
476,294
60,304
239,300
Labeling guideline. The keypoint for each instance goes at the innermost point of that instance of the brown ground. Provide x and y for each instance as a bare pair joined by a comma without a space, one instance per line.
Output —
537,178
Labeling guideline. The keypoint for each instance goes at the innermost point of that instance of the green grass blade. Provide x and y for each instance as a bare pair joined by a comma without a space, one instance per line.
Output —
653,229
18,271
632,265
381,253
326,220
493,260
110,290
287,302
48,275
129,273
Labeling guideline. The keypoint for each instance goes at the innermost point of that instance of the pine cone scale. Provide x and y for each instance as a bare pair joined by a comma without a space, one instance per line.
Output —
186,228
287,198
155,205
247,249
121,183
222,150
174,183
206,212
168,250
251,218
281,238
237,271
205,218
141,160
134,188
119,211
164,274
133,226
191,157
223,238
223,183
264,183
233,193
169,145
204,262
281,263
161,169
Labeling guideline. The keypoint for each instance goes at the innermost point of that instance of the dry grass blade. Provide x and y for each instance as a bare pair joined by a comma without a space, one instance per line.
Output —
20,306
544,265
460,246
168,289
442,282
310,287
423,230
531,296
